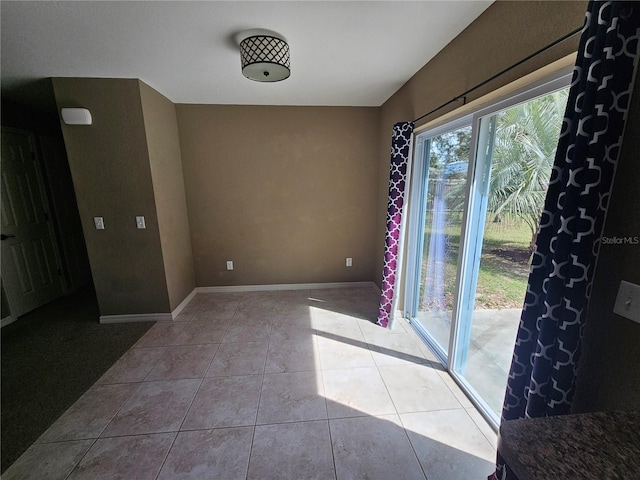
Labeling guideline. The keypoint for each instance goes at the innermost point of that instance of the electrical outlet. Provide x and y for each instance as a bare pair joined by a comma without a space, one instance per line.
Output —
99,223
349,261
229,265
140,222
628,301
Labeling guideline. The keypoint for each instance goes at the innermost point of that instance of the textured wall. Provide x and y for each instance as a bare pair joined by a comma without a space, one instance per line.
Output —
287,193
161,127
110,168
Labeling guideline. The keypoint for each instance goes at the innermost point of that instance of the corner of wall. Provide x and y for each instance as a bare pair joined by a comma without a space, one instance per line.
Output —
109,162
165,160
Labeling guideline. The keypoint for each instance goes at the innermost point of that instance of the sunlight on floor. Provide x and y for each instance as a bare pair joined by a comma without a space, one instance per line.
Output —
294,384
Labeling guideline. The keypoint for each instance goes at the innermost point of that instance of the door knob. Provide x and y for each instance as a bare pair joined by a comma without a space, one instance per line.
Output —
5,237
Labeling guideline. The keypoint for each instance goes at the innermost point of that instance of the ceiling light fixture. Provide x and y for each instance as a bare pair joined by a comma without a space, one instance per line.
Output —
264,55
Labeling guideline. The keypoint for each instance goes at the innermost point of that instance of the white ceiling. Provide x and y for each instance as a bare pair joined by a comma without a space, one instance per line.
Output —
342,52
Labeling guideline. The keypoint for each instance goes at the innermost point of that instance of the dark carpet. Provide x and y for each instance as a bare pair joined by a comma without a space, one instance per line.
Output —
50,357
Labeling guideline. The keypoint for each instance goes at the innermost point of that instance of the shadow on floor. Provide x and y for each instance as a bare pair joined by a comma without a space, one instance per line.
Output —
50,357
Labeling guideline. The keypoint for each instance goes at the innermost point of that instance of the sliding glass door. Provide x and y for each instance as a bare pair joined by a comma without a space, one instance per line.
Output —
444,177
478,189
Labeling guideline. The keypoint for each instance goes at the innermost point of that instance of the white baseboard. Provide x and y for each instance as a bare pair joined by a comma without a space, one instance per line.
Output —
283,286
139,317
7,321
168,317
183,304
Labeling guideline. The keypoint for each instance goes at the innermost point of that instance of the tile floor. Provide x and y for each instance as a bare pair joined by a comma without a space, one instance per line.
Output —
269,385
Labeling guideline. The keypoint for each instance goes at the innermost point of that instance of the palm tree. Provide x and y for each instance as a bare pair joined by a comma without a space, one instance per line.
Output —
525,146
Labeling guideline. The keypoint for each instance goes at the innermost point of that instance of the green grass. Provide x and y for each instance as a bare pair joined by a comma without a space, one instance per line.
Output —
504,265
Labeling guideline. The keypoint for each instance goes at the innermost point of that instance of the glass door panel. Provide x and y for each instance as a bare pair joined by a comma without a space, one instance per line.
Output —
516,149
442,208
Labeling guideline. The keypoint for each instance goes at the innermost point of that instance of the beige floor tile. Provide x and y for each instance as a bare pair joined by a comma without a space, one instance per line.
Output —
395,349
183,317
161,334
189,361
417,388
225,402
263,301
214,316
356,392
221,454
155,407
196,333
320,355
291,328
292,397
189,311
370,327
449,445
373,448
216,310
489,433
133,366
338,325
257,312
222,297
358,310
239,359
292,451
298,353
138,457
89,416
300,308
355,293
52,461
241,330
454,388
340,352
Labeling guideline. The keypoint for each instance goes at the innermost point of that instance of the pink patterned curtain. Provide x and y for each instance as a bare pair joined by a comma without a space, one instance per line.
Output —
400,151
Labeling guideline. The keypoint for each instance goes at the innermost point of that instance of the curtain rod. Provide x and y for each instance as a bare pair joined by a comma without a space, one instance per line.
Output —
537,52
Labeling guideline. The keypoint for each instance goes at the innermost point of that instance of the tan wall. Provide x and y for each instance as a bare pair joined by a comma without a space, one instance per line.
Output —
161,127
110,168
609,373
504,34
287,193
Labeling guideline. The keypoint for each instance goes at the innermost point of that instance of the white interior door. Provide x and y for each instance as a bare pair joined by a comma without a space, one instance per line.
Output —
30,266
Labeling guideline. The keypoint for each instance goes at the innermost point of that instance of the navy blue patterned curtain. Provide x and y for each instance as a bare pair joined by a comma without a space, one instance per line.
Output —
543,369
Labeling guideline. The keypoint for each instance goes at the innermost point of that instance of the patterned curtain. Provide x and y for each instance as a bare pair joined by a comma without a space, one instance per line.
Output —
400,151
543,369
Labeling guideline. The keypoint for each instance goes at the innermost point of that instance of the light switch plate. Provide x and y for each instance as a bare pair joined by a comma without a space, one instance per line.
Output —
140,222
99,223
628,301
349,262
229,265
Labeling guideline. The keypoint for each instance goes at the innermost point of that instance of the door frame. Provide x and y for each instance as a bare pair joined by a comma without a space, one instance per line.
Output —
561,78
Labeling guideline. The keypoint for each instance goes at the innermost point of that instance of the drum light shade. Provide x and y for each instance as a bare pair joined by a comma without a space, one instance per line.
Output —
265,58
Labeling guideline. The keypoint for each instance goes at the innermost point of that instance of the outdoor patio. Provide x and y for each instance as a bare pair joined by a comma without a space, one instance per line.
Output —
493,334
